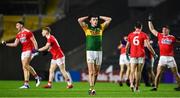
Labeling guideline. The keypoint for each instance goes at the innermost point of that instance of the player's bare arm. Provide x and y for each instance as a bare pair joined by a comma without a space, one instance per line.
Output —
46,47
34,42
14,44
81,21
120,46
150,47
151,28
106,19
127,47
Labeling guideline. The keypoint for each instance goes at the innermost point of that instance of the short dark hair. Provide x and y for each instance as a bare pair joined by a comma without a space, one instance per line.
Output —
138,24
93,15
47,29
166,26
20,22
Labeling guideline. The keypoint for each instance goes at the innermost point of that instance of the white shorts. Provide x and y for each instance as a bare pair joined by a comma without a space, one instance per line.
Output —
94,57
28,53
58,61
123,59
139,60
167,61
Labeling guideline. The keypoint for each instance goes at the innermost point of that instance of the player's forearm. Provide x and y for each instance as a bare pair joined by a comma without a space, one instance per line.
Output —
151,49
80,20
151,26
11,44
35,45
127,48
106,19
43,48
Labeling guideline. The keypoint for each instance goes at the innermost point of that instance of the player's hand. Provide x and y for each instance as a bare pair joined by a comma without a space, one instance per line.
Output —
35,51
155,56
3,43
150,17
127,56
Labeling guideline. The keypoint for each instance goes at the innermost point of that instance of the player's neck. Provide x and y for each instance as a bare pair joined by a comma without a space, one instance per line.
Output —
48,35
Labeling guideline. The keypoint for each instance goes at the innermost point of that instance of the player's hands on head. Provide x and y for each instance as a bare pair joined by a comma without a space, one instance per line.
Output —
3,43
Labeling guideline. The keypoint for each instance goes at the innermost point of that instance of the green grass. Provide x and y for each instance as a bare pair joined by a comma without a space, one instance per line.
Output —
104,90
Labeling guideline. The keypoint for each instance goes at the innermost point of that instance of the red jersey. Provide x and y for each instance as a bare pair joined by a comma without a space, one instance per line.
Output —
123,49
136,40
166,44
55,49
25,39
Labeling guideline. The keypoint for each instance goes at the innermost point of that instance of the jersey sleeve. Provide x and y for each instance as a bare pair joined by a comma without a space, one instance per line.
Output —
158,35
84,26
49,41
102,26
30,34
17,36
174,39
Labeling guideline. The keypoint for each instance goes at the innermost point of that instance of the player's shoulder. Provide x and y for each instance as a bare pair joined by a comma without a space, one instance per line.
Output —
143,33
27,30
171,35
131,33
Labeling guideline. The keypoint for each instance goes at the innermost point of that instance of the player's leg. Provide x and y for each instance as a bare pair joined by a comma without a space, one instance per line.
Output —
37,78
138,75
127,74
91,71
177,76
133,66
174,69
26,73
152,76
96,72
90,58
26,61
159,72
52,68
121,74
61,64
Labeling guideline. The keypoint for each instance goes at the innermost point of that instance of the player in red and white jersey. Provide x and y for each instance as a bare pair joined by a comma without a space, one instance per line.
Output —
123,62
26,38
166,43
136,41
58,58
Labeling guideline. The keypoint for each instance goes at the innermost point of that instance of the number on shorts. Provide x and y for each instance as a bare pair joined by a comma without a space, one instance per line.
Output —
135,40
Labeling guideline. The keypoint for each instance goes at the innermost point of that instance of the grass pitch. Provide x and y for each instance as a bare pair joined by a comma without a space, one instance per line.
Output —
9,89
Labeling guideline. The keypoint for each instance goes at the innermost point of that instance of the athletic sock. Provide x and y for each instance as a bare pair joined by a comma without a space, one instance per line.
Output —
26,82
68,82
49,83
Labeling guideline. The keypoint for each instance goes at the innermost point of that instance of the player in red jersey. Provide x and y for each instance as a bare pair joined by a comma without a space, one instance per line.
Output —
166,43
136,41
58,58
26,38
123,62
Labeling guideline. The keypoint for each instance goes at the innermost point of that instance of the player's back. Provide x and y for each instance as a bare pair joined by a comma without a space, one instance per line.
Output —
55,48
136,40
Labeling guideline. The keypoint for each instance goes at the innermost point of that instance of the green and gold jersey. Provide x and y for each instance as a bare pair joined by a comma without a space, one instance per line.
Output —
93,37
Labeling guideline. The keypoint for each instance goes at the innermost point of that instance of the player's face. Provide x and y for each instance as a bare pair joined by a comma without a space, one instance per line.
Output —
125,38
94,21
165,30
19,26
44,32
